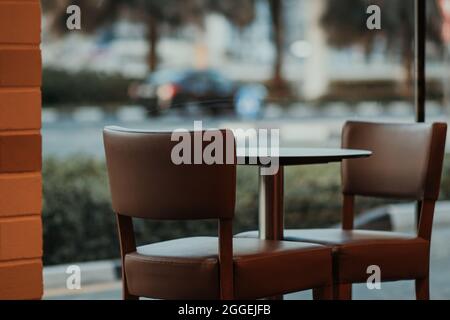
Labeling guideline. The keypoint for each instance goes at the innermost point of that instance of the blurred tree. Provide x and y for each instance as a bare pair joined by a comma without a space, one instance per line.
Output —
276,9
241,13
345,24
153,13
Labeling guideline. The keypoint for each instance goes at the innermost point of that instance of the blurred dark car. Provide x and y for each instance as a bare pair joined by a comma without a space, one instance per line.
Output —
167,89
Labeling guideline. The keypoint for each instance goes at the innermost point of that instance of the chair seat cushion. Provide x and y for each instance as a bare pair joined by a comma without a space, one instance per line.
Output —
189,268
399,256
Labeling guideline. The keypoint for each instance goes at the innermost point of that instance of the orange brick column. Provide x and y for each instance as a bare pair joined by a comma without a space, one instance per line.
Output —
20,150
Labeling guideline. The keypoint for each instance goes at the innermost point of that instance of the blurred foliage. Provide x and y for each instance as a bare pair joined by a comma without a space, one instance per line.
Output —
80,226
344,22
156,15
174,13
62,88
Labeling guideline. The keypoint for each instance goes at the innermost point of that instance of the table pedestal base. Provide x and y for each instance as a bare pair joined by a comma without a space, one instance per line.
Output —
271,207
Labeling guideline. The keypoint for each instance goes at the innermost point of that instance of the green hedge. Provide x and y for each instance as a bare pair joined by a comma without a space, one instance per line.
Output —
79,224
61,88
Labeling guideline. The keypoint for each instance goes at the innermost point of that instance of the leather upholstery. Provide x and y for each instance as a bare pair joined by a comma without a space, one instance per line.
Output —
189,268
406,164
145,183
406,161
400,256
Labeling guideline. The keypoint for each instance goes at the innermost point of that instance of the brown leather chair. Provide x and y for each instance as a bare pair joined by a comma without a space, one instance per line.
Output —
146,184
406,164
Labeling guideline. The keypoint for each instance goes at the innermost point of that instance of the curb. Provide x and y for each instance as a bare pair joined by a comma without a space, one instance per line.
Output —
96,272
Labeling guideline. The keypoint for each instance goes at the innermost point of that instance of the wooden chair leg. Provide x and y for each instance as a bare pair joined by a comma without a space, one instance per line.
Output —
323,293
129,297
343,291
423,289
126,295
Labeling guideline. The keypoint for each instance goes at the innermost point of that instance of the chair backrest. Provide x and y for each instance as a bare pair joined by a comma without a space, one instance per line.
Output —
145,182
406,162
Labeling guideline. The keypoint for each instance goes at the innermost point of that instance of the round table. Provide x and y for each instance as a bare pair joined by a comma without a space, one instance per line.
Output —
271,187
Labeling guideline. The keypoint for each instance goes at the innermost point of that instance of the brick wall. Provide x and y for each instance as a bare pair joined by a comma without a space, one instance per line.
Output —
20,150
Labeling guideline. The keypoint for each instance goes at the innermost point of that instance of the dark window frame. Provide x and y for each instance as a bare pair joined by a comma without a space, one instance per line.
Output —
420,83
